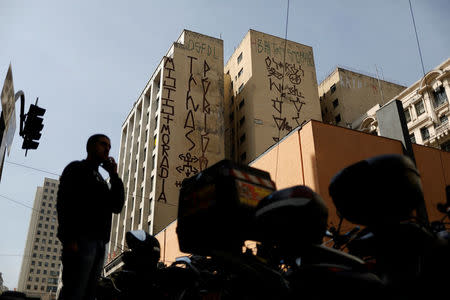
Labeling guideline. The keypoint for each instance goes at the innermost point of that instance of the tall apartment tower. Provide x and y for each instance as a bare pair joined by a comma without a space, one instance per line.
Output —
41,259
174,130
270,89
346,94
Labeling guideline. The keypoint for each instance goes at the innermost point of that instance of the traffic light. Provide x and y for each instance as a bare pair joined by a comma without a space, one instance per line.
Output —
33,127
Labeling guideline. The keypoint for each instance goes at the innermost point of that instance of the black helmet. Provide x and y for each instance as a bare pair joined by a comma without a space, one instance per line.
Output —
378,190
142,243
290,218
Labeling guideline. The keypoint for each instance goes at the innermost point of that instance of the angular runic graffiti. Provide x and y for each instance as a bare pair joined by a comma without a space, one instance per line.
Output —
203,161
277,104
178,183
162,197
187,168
167,113
206,105
282,123
298,104
205,142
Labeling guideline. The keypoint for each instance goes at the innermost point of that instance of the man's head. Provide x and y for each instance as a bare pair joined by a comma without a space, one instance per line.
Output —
98,147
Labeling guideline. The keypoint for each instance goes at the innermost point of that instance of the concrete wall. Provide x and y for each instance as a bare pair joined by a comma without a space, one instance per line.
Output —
325,149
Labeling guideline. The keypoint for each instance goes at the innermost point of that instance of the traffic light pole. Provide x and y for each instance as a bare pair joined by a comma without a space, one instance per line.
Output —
22,109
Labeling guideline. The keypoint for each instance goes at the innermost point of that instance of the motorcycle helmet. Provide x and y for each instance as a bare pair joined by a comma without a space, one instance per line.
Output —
381,189
291,218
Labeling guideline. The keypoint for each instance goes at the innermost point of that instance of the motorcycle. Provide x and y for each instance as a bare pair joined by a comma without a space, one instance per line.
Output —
291,224
409,257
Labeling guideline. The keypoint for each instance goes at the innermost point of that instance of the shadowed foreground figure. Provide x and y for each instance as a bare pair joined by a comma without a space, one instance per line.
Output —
85,206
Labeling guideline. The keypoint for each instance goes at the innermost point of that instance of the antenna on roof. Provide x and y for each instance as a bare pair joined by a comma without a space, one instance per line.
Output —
379,86
417,38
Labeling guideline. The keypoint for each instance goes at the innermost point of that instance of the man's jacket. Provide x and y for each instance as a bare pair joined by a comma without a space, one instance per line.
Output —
85,202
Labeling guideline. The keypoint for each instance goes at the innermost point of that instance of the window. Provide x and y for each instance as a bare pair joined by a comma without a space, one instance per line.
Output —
241,104
35,287
407,116
28,287
239,58
46,190
243,156
440,97
38,271
333,88
38,232
231,116
242,139
45,197
153,162
40,225
240,72
47,184
241,121
44,272
140,215
335,103
145,152
443,119
41,218
420,109
424,132
241,87
33,262
149,224
337,118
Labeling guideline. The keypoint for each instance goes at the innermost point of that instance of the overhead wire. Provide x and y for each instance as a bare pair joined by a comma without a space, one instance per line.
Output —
282,94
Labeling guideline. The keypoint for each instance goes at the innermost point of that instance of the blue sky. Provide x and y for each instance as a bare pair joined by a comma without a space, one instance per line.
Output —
88,61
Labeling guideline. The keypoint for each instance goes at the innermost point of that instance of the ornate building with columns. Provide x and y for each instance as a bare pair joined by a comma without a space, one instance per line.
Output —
427,109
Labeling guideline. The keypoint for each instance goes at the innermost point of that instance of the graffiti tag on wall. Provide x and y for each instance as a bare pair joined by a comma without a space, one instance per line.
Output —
284,80
191,164
274,49
167,116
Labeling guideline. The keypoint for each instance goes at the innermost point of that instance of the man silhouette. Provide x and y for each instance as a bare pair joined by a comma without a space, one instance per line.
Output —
85,205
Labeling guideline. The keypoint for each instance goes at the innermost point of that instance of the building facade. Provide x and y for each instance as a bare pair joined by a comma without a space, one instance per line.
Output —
345,95
270,89
42,255
313,154
427,109
174,130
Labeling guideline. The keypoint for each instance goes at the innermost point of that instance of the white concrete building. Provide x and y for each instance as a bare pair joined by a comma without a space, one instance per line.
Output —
174,130
42,255
426,105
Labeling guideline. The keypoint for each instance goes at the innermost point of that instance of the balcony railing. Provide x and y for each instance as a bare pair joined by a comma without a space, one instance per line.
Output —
443,129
